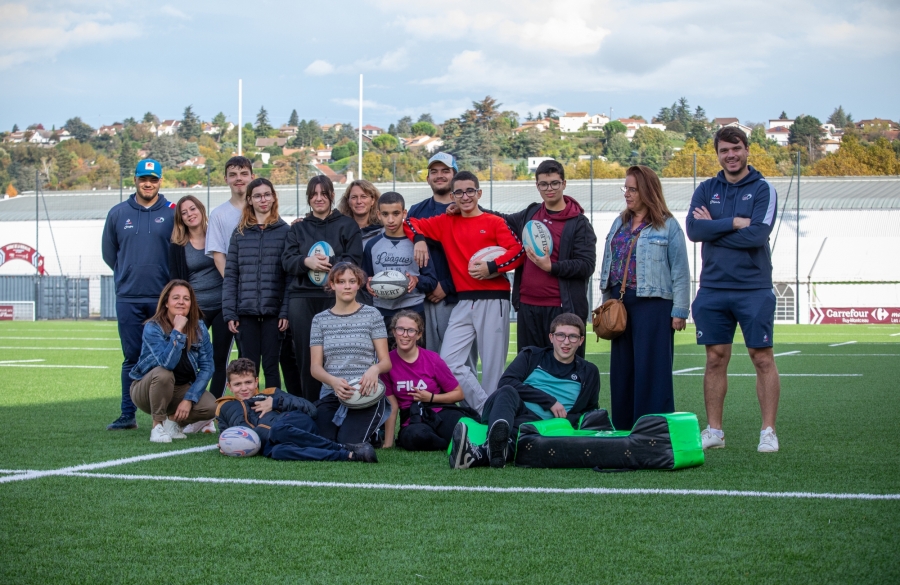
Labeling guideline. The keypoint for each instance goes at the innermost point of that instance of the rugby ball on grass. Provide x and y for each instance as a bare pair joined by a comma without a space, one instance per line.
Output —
536,237
358,401
389,284
486,255
317,276
239,442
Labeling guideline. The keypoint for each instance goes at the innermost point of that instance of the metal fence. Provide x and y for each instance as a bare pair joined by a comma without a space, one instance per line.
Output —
54,297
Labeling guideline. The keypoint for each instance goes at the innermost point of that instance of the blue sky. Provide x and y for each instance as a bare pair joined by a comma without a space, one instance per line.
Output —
107,60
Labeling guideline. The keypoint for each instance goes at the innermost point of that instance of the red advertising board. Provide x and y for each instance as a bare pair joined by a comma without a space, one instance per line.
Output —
854,315
6,312
22,252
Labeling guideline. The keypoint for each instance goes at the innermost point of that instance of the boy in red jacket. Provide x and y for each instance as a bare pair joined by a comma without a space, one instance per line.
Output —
482,313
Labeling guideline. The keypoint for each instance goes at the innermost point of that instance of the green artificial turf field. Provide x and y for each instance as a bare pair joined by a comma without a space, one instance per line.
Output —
797,516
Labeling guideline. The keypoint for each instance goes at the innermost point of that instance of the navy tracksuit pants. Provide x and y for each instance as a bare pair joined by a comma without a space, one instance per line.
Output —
295,437
640,361
131,317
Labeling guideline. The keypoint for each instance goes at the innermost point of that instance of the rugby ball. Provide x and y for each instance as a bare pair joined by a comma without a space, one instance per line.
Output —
486,255
537,238
358,401
319,277
239,442
389,284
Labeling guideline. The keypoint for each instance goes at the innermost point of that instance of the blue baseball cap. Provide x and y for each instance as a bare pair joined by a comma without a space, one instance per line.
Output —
443,158
148,166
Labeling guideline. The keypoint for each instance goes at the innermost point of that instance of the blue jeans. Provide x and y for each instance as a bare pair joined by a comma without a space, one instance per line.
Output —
295,438
131,317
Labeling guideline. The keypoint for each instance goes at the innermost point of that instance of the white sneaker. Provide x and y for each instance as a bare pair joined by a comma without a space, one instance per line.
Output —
201,426
159,435
711,440
173,429
768,442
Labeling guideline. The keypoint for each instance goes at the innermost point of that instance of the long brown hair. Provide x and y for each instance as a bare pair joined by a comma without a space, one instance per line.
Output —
651,193
248,217
370,190
161,317
181,233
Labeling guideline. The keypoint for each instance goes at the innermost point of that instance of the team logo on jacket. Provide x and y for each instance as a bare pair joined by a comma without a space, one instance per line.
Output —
574,376
160,219
715,199
482,231
699,334
128,224
747,197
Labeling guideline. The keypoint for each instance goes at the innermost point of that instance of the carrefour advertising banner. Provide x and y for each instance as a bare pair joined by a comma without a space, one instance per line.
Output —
854,315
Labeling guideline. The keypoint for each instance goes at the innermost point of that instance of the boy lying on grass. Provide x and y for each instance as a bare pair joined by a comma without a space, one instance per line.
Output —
283,422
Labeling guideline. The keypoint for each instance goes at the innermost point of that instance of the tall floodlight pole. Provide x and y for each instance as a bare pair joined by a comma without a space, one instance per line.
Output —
797,251
240,116
359,141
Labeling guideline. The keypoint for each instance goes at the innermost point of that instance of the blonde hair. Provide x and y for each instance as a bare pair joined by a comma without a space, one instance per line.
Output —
370,190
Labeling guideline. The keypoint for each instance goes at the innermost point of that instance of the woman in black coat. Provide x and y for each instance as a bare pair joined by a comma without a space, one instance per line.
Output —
254,303
188,261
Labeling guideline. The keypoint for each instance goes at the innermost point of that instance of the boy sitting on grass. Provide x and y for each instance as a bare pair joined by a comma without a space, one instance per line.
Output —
283,421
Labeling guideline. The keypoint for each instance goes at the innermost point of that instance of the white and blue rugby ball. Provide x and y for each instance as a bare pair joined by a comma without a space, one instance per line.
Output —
239,442
319,277
537,238
358,401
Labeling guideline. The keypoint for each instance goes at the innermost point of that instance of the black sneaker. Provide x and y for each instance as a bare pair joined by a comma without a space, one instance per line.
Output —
362,452
122,423
498,443
463,454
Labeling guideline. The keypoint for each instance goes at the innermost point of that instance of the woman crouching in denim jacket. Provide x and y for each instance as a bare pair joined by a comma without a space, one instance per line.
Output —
176,365
657,298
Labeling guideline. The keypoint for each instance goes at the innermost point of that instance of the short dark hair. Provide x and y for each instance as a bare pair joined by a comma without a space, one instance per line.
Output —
241,162
240,367
464,176
731,135
570,319
339,269
392,197
548,167
327,188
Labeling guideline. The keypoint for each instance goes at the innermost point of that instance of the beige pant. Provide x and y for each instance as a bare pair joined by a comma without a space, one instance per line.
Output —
157,394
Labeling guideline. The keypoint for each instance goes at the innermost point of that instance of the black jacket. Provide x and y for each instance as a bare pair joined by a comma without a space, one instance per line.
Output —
529,359
577,260
340,231
231,412
254,280
178,268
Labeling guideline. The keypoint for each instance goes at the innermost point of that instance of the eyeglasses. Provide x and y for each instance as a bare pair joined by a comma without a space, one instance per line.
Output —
560,337
262,196
405,332
459,193
631,190
543,186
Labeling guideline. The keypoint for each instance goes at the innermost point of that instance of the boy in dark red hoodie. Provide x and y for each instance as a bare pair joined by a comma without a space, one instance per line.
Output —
482,313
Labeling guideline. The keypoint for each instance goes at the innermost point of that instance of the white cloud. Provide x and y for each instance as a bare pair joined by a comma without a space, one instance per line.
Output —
28,36
170,10
319,67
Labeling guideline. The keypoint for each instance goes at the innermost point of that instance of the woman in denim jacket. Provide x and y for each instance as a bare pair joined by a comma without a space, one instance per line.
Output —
657,298
176,364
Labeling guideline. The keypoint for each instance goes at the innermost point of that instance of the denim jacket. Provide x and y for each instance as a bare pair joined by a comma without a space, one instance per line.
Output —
662,266
159,349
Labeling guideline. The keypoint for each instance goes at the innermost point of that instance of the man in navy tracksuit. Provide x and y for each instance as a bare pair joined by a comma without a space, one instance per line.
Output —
733,214
136,247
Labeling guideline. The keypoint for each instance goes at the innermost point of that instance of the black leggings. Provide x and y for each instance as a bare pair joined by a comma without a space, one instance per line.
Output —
432,432
221,342
260,341
359,426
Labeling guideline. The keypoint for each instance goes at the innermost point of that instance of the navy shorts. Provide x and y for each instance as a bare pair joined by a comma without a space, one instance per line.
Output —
717,312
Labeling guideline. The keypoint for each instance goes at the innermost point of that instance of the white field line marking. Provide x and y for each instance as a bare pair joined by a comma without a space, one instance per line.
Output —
20,361
840,344
2,365
103,464
66,338
791,375
894,334
677,372
495,490
795,352
64,348
17,470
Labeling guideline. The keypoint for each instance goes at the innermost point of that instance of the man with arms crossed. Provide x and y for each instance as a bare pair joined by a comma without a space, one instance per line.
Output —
733,214
136,246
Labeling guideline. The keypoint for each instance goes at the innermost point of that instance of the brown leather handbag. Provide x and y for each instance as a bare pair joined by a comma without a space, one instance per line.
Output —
610,318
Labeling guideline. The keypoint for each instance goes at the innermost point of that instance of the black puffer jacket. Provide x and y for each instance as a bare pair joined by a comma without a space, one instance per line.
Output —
255,283
340,231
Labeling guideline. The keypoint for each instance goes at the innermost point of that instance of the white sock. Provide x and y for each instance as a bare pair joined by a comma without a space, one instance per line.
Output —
766,430
717,432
